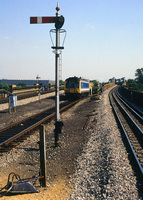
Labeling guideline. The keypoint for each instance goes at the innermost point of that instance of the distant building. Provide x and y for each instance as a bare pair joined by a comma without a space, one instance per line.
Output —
123,79
27,82
120,80
111,80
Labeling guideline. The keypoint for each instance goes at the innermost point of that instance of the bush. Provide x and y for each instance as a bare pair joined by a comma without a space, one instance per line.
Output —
95,87
4,86
21,84
61,82
134,85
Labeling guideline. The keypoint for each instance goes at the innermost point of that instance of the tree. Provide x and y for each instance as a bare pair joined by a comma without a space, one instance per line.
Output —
95,86
139,75
4,86
21,84
136,84
132,84
61,82
0,85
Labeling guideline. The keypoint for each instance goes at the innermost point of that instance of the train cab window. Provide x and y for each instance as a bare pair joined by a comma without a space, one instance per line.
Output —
72,84
77,85
67,84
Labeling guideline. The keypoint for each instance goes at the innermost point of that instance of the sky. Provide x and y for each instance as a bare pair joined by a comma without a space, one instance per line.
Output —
104,39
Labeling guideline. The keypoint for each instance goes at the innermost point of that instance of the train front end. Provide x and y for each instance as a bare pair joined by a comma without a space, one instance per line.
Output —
76,87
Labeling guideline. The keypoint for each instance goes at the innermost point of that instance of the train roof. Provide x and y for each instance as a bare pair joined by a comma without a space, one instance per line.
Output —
76,79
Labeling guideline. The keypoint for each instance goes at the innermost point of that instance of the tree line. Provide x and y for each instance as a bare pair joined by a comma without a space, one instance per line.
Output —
137,83
6,86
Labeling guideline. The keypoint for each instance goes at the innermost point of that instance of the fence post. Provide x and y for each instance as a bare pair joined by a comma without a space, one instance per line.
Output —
43,170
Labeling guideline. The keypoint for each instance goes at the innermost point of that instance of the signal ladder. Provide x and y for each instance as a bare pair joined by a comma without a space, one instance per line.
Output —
60,66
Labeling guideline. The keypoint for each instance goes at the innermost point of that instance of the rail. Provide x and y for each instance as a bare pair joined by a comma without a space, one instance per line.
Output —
14,131
137,132
27,94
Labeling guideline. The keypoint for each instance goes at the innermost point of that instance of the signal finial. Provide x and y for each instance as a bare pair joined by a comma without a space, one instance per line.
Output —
57,8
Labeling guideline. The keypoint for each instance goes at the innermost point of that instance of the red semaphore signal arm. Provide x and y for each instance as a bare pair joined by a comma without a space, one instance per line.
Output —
41,20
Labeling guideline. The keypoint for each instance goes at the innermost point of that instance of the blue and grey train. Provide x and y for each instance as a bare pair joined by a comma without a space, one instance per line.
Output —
76,87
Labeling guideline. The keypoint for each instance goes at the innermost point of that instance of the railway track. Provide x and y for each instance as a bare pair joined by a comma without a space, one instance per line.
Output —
12,134
29,94
131,123
24,96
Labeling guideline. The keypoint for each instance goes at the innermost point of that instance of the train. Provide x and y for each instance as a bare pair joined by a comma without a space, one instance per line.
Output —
76,87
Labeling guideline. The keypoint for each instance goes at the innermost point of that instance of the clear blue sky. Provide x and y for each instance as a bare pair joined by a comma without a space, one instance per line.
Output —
104,39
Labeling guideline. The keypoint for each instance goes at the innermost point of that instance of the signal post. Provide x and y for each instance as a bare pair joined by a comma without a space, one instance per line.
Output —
59,21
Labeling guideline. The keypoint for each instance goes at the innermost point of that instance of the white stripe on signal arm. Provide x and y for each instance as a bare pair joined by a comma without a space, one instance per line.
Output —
39,20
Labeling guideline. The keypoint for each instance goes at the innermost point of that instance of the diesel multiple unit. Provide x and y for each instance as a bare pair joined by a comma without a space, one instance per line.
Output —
76,87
